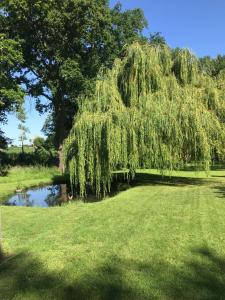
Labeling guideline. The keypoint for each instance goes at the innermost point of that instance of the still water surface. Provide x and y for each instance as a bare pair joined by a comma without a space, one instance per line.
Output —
51,195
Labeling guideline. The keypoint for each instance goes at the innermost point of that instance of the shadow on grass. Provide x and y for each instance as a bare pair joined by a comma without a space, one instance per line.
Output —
203,277
25,277
2,256
120,183
220,191
3,170
217,167
58,179
154,179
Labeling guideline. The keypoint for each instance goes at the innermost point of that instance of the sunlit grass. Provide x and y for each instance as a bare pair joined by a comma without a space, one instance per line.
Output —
16,150
163,239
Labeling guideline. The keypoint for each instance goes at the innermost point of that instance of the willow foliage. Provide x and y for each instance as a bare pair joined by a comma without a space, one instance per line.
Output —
151,110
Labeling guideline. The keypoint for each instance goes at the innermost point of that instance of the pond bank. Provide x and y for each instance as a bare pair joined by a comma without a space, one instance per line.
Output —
27,177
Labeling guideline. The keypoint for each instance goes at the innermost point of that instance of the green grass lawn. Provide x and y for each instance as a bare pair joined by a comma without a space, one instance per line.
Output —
25,177
162,239
18,149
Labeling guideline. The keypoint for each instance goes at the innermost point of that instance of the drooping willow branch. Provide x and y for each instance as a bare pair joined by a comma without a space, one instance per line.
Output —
153,109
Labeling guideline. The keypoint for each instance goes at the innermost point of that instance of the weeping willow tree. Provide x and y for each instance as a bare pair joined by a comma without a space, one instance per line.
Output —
153,109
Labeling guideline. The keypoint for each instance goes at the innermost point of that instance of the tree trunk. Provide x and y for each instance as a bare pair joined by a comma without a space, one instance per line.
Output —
1,239
61,162
60,118
63,192
22,148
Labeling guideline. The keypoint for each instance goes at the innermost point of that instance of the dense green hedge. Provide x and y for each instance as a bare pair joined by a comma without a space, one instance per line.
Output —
35,157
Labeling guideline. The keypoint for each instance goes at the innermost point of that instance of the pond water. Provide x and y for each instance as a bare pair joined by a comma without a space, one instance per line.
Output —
51,195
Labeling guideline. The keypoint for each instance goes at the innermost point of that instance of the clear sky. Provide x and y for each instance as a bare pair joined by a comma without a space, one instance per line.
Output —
196,24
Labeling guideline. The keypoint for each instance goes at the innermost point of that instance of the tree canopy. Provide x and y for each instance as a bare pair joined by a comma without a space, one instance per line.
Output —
153,109
64,44
212,66
11,95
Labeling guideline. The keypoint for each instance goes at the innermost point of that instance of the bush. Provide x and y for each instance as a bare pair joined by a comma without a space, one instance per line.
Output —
44,151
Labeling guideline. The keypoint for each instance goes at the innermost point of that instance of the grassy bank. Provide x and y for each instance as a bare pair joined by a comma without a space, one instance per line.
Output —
24,177
163,239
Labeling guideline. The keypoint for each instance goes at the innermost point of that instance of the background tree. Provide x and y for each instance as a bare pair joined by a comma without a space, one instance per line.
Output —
38,142
212,66
11,95
157,39
44,151
64,44
23,135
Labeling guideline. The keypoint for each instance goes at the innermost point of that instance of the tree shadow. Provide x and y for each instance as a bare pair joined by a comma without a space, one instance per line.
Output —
121,183
154,179
220,191
204,278
217,167
4,170
208,273
25,277
2,255
201,277
63,178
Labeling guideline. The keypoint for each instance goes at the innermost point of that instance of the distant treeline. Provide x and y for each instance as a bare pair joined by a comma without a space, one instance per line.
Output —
36,155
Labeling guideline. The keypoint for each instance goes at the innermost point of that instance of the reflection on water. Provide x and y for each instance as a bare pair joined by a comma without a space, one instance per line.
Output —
43,196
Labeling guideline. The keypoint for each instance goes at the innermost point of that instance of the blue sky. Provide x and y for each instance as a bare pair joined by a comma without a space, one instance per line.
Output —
196,24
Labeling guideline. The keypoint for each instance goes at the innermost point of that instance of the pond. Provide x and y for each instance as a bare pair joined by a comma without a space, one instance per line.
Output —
47,196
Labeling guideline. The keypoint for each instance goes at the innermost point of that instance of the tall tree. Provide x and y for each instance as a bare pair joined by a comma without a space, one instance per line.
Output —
11,95
23,135
153,109
64,45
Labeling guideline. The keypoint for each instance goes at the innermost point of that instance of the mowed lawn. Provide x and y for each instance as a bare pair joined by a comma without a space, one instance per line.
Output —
162,239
